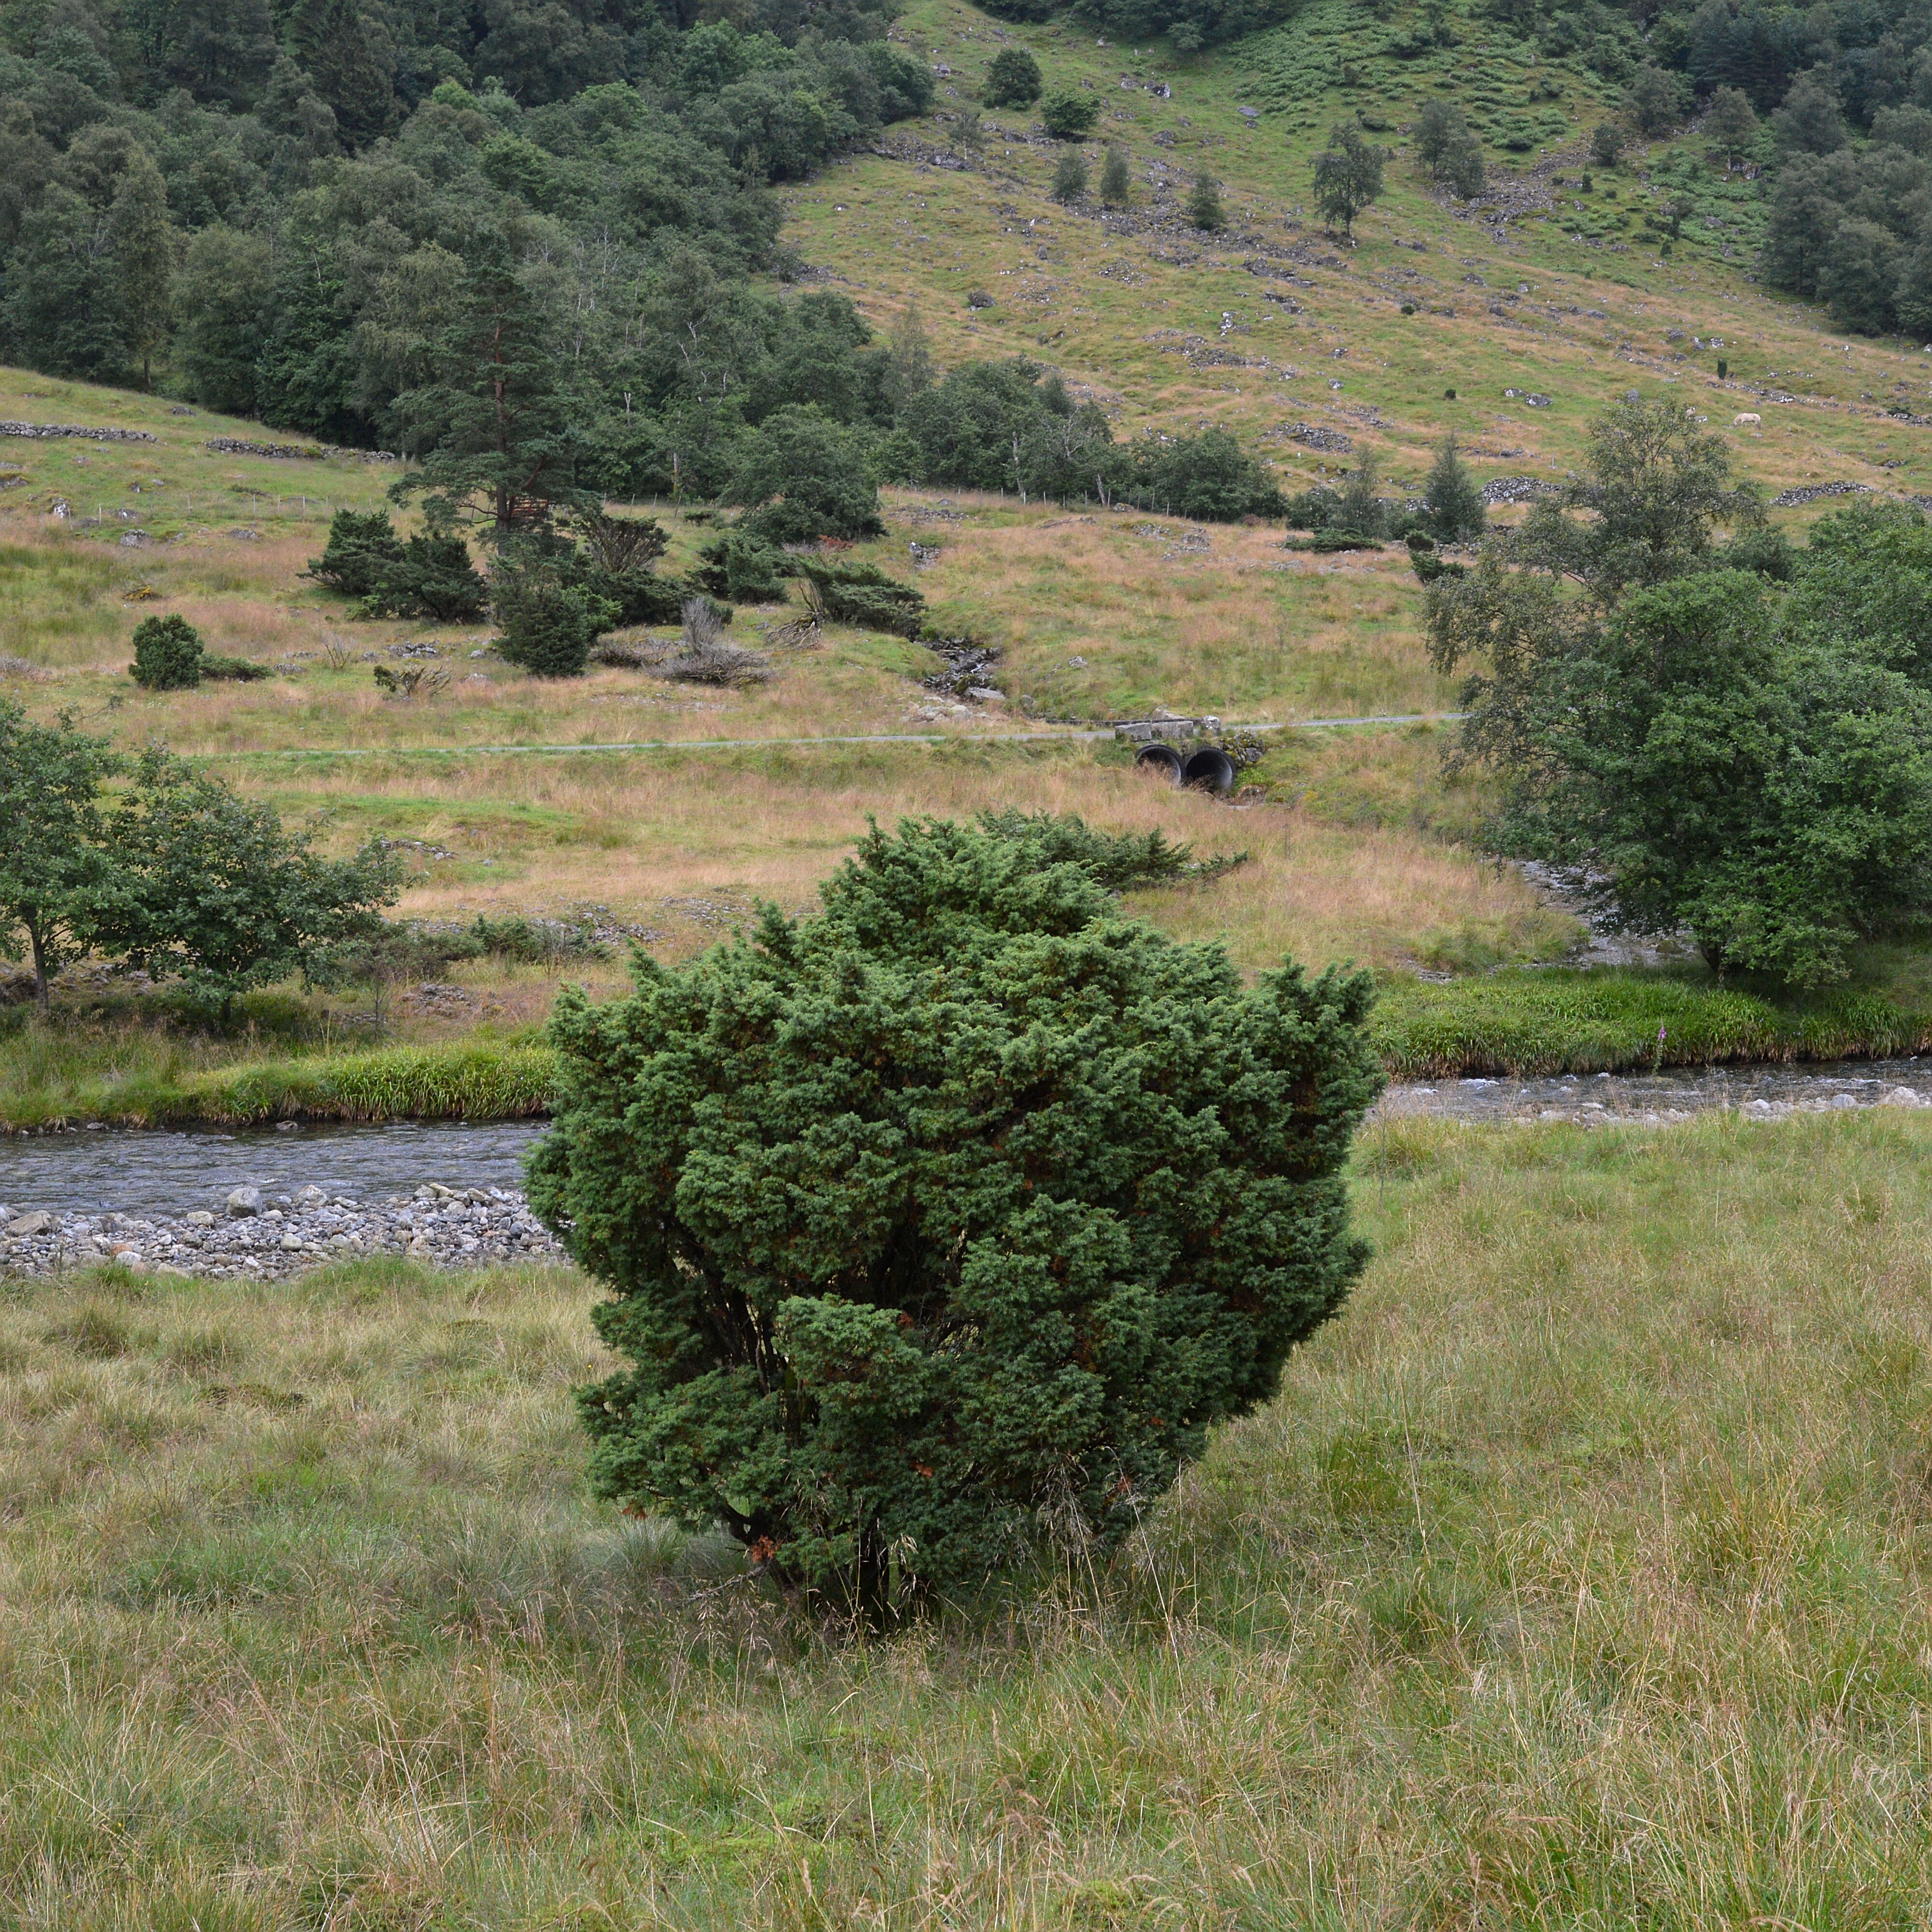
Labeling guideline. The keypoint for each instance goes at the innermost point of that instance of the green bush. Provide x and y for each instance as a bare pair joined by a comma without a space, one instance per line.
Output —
1069,115
362,548
233,670
740,566
429,576
545,624
167,654
945,1225
862,594
1013,80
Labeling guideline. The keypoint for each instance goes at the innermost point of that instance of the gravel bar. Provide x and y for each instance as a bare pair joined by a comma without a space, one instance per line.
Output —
263,1237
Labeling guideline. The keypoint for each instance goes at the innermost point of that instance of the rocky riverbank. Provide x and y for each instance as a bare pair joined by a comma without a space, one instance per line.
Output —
267,1236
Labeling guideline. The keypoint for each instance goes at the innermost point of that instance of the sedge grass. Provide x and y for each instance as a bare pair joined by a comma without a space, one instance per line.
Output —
1576,1578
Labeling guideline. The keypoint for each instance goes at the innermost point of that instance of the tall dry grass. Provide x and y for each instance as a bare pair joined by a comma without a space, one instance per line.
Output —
1576,1578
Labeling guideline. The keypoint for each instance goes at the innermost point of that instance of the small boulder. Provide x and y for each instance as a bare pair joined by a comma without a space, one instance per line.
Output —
38,1223
244,1201
200,1218
311,1196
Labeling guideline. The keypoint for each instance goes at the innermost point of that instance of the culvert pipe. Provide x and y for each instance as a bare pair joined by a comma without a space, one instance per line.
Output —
1163,760
1211,768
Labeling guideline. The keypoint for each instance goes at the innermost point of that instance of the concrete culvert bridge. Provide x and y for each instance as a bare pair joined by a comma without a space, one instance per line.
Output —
1209,768
1163,761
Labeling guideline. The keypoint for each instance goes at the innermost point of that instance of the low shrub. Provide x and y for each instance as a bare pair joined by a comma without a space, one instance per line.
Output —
233,670
167,654
900,1299
862,595
741,566
546,625
1069,115
429,576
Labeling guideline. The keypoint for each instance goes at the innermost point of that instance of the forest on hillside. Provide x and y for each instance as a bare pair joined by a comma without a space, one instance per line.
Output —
548,226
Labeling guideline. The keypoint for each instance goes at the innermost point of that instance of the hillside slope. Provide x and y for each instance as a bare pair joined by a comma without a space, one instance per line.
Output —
1536,287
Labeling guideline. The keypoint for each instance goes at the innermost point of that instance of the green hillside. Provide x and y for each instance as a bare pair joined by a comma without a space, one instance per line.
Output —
1536,287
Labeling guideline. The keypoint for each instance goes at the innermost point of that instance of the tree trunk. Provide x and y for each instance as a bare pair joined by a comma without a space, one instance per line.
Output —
38,944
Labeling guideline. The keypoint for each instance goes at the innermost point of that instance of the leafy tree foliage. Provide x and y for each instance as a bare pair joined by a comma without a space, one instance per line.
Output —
1069,178
1116,185
167,654
1732,126
947,1223
1347,177
212,888
1657,99
1694,747
804,477
1069,115
1694,769
1607,144
1447,146
1012,79
51,860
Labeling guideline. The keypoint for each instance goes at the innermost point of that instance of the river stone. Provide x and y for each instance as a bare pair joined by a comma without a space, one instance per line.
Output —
311,1196
38,1223
245,1200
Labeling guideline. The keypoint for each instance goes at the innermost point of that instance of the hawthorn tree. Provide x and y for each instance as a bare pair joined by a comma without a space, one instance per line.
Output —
948,1222
210,887
1347,177
51,859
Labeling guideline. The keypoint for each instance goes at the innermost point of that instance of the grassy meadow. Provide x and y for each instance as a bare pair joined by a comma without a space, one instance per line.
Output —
1576,1579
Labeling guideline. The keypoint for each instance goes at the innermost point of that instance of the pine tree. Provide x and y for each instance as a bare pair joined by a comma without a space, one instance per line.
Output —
1069,178
1204,205
1453,503
1116,183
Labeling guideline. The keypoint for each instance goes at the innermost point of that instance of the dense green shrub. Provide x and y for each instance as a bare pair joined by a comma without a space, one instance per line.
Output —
862,594
429,576
362,548
740,566
1013,80
545,623
946,1225
233,670
433,577
1069,115
167,654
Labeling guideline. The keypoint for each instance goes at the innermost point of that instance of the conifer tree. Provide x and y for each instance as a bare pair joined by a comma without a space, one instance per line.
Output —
1204,205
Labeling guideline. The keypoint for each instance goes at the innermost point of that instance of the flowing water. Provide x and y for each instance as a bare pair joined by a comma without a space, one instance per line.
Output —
162,1172
168,1172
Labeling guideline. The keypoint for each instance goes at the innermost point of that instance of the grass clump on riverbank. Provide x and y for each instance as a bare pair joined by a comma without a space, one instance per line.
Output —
1514,1023
1620,1019
1602,1501
139,1076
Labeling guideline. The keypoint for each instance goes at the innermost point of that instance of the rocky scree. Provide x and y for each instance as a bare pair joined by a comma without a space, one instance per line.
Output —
263,1236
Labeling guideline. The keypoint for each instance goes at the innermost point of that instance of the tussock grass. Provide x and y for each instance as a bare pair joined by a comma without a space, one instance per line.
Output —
1576,1578
141,1076
1610,1020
